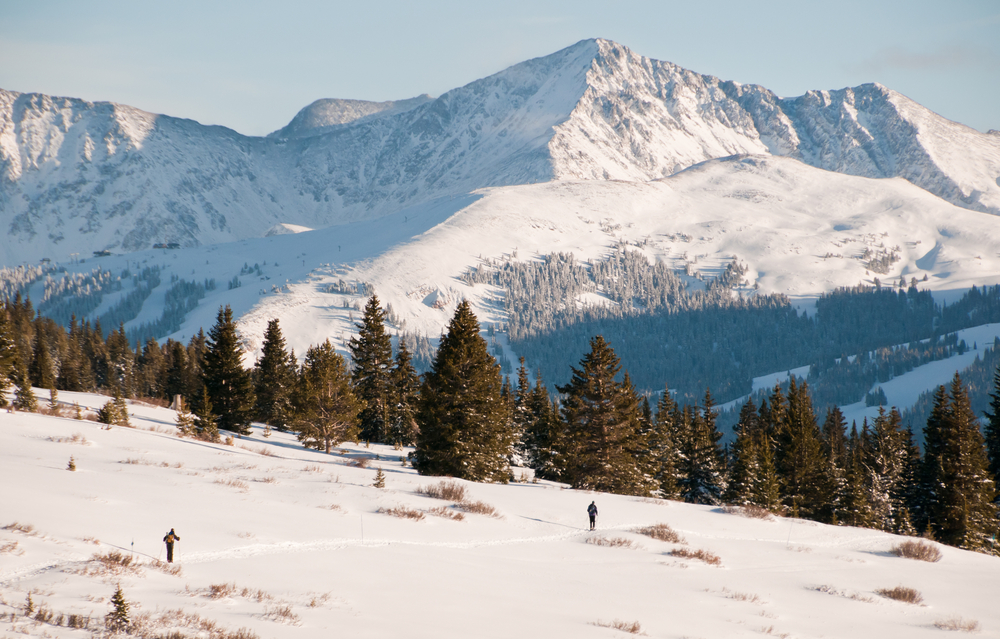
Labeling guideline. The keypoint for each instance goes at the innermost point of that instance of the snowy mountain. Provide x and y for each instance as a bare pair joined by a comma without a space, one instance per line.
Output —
277,541
81,176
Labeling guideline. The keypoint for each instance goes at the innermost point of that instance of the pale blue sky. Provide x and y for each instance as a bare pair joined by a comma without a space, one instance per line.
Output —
251,65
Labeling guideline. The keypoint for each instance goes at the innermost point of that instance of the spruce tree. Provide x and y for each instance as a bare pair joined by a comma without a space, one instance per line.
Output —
522,418
602,442
663,441
799,458
371,355
855,509
992,429
42,370
175,382
8,355
326,408
120,363
206,422
703,478
542,438
274,379
24,397
117,621
744,457
463,430
885,470
229,384
962,510
405,390
835,460
185,419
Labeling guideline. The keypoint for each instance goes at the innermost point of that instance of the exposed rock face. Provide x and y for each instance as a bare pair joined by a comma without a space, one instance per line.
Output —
77,176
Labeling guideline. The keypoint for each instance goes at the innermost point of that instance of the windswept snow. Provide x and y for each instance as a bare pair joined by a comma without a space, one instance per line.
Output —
300,533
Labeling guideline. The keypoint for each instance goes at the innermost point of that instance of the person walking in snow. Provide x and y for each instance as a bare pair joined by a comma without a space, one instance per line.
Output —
170,538
592,511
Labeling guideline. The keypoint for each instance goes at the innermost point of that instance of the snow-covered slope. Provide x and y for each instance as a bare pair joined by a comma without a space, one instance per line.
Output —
80,176
288,542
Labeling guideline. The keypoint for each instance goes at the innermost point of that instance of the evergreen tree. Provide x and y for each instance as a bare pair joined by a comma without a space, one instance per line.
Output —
928,490
835,460
71,376
206,422
702,473
855,509
992,429
463,430
885,470
799,458
175,382
151,370
405,391
521,418
326,408
371,354
42,370
274,378
962,510
542,438
8,355
602,442
663,446
744,472
117,621
120,363
229,384
24,397
185,419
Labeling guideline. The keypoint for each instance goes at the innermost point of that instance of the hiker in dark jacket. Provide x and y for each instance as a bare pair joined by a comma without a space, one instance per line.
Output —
592,511
170,538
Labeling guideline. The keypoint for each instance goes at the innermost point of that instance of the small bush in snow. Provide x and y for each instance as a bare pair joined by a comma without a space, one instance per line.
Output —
749,510
479,508
632,627
901,593
611,542
450,490
917,550
661,532
702,555
444,511
957,623
403,512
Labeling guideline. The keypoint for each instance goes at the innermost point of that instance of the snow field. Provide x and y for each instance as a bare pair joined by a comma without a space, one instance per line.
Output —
257,527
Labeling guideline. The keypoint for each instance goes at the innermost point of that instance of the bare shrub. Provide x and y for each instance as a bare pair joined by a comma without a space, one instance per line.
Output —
957,623
313,469
24,529
830,590
631,627
8,548
270,479
479,508
113,562
221,591
444,511
921,550
702,555
612,542
76,438
449,489
281,613
403,512
266,452
360,462
748,510
742,596
241,486
334,507
901,593
166,568
92,540
661,532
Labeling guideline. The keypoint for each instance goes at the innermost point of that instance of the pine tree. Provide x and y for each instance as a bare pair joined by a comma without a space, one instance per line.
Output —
274,377
992,428
185,420
371,354
175,382
120,363
151,370
744,472
8,355
24,397
962,510
379,479
856,509
835,460
542,438
885,466
602,443
702,471
405,391
522,418
799,458
463,428
663,446
206,422
326,408
117,621
229,384
42,370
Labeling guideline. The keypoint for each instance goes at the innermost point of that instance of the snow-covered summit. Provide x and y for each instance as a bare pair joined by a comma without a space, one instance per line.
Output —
82,176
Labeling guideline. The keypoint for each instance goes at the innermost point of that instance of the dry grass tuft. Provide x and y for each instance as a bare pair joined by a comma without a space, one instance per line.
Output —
313,469
269,479
830,590
901,593
612,542
335,507
448,513
957,623
631,627
702,555
24,529
661,532
743,596
282,613
113,562
164,567
221,591
749,510
479,508
921,550
450,490
360,462
76,438
403,512
239,485
10,548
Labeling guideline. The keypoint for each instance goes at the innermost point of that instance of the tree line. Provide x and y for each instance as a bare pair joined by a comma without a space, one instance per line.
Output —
596,432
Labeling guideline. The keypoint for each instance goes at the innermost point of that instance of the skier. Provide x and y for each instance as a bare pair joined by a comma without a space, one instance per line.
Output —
592,511
170,538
